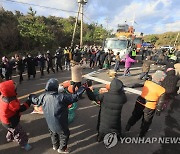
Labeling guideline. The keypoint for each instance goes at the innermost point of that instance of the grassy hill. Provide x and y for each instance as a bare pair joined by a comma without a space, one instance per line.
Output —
167,38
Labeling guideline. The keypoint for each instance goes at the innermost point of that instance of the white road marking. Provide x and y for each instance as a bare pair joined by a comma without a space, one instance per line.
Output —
88,76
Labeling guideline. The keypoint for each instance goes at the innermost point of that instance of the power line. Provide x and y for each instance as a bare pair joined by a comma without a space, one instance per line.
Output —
46,7
39,6
88,18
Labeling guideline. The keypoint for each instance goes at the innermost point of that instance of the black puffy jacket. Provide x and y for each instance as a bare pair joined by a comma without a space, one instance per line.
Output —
110,110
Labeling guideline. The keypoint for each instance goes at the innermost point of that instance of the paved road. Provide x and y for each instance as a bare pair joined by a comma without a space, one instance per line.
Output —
83,129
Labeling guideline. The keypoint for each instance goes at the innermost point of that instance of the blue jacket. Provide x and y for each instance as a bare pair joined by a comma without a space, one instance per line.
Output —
55,106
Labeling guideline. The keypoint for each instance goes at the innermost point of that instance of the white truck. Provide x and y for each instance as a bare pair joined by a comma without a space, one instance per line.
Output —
120,44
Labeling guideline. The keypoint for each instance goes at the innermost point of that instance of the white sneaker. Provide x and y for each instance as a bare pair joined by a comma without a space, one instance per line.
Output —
54,147
37,112
63,151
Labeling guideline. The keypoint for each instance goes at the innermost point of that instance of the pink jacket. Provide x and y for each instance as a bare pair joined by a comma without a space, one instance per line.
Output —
128,60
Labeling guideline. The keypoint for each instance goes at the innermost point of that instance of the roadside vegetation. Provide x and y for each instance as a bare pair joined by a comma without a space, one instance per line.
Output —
167,38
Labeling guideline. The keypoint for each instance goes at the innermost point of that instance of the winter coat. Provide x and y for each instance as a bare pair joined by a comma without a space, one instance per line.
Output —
55,106
111,106
170,82
42,61
31,65
49,59
102,57
76,72
146,65
10,107
128,60
169,64
19,66
58,59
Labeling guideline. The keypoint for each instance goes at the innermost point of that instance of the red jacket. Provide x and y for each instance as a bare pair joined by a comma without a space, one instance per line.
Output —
10,107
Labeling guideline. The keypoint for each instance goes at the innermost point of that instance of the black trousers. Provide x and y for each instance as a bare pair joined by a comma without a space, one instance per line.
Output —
60,140
143,112
42,70
50,67
92,63
58,66
20,77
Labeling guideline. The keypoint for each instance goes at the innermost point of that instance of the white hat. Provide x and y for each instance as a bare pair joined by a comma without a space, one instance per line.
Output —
60,89
158,76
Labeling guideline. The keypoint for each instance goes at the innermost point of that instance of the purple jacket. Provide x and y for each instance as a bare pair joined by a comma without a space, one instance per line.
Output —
128,60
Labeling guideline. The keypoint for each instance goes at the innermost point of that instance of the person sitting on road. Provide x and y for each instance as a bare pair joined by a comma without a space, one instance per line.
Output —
111,103
10,113
151,99
55,108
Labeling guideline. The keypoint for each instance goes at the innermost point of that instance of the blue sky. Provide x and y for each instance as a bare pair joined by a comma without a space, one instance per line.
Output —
151,16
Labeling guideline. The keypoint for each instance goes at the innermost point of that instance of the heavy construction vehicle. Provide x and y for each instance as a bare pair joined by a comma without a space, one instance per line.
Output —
125,39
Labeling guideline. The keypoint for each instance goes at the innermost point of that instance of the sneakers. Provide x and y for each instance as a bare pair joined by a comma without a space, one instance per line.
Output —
63,151
55,147
37,112
27,147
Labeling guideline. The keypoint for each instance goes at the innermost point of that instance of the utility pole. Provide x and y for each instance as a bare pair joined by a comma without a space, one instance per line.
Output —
81,35
176,39
107,25
80,9
72,42
82,3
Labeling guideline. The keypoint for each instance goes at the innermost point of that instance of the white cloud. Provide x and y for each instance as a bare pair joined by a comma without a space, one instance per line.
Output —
169,27
151,15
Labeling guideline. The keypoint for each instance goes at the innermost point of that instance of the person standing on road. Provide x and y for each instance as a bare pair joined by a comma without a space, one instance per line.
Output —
19,67
117,62
171,84
49,60
6,65
111,104
150,100
10,113
58,59
67,59
146,67
76,73
133,53
41,61
128,61
31,66
55,107
92,58
1,75
102,59
144,53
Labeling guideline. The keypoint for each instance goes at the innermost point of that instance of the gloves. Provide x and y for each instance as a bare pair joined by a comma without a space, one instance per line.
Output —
30,99
89,83
158,112
29,102
80,90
